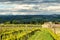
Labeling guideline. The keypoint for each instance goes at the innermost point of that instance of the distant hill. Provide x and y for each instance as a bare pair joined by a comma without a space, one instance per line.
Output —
29,18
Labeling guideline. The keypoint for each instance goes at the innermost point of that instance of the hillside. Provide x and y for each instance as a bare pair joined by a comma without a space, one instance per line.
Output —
27,19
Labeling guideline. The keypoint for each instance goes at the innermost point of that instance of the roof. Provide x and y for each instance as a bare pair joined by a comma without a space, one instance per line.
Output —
56,25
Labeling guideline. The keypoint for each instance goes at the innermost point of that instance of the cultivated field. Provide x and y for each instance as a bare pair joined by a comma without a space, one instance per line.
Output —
25,32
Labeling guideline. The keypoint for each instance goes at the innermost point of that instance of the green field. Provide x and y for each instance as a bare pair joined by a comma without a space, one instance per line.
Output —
25,32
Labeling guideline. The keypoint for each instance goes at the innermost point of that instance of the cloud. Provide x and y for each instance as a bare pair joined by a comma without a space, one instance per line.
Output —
28,13
52,8
21,0
29,9
30,1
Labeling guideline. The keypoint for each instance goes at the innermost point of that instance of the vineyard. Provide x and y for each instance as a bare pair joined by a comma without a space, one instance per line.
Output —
25,32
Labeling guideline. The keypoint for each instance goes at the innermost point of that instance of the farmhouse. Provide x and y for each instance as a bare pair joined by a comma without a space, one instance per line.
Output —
55,27
47,25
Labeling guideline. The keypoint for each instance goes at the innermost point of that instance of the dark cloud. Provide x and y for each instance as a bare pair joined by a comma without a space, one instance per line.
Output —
32,0
57,1
10,0
3,0
16,0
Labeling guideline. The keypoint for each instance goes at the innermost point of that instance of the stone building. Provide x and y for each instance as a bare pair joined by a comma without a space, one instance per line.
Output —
47,25
55,27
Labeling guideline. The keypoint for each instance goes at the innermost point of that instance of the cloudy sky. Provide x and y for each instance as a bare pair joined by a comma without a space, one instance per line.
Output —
29,7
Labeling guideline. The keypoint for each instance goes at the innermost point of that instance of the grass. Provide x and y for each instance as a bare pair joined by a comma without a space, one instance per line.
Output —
41,35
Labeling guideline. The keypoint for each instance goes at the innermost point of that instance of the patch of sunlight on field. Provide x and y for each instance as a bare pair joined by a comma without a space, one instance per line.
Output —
41,35
58,36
